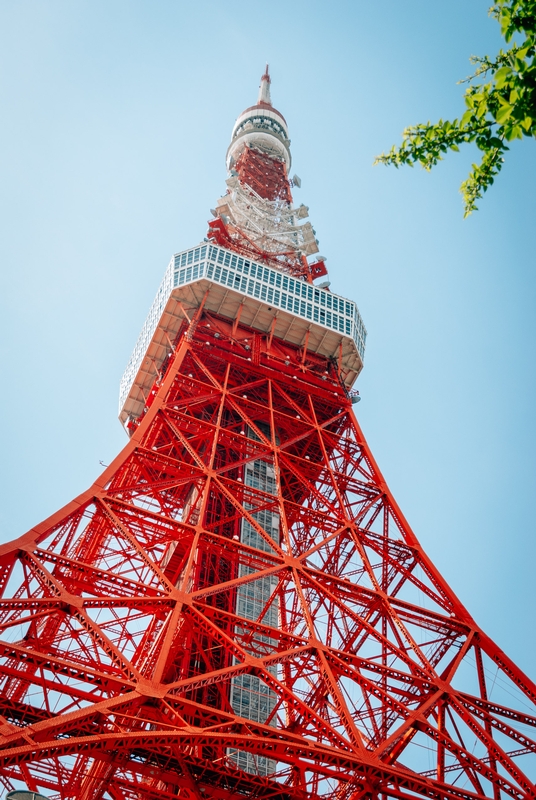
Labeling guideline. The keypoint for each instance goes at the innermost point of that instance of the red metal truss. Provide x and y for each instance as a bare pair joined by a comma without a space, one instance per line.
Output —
233,238
122,638
266,175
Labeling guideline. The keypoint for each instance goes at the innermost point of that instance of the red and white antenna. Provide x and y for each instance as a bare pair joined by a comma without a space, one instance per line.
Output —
256,216
264,88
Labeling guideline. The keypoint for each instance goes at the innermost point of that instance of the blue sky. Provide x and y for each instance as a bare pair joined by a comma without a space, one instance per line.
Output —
116,119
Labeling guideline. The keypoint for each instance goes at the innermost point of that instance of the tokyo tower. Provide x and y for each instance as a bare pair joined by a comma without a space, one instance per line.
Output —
237,607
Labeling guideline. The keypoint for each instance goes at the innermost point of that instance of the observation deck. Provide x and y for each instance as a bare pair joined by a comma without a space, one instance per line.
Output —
271,301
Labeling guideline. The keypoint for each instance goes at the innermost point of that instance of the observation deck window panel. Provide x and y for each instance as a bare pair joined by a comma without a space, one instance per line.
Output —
191,266
254,765
268,521
252,597
260,475
254,700
252,538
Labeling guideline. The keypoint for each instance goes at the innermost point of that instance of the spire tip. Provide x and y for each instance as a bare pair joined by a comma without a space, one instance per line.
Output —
264,89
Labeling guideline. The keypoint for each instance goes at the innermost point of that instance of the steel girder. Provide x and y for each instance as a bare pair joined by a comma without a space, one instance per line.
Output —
121,636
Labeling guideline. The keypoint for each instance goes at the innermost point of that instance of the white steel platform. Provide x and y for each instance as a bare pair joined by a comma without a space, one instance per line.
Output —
263,292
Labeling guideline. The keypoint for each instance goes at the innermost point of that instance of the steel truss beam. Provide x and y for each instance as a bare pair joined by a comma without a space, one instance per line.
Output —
121,638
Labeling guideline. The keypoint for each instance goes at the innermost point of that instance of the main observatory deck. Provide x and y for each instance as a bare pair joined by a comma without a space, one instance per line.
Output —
269,300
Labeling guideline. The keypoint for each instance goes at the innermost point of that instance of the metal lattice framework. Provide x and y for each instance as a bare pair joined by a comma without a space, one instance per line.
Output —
132,620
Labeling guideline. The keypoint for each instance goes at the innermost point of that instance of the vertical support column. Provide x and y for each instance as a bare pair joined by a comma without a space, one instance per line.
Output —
250,696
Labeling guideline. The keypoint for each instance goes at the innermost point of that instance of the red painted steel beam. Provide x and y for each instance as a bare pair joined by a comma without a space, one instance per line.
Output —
122,638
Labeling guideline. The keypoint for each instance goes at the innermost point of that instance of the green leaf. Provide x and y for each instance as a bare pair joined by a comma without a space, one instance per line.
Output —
501,76
466,118
515,132
496,112
504,113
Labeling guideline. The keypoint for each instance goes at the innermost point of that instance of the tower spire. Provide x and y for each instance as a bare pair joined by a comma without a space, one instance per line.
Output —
264,89
256,216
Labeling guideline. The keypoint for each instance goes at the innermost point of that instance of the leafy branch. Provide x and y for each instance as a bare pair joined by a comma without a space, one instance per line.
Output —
496,112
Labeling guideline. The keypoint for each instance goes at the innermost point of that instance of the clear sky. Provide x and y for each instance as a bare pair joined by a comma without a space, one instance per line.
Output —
115,121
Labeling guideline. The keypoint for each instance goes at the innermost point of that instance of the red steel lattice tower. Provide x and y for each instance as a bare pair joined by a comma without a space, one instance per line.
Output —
237,607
